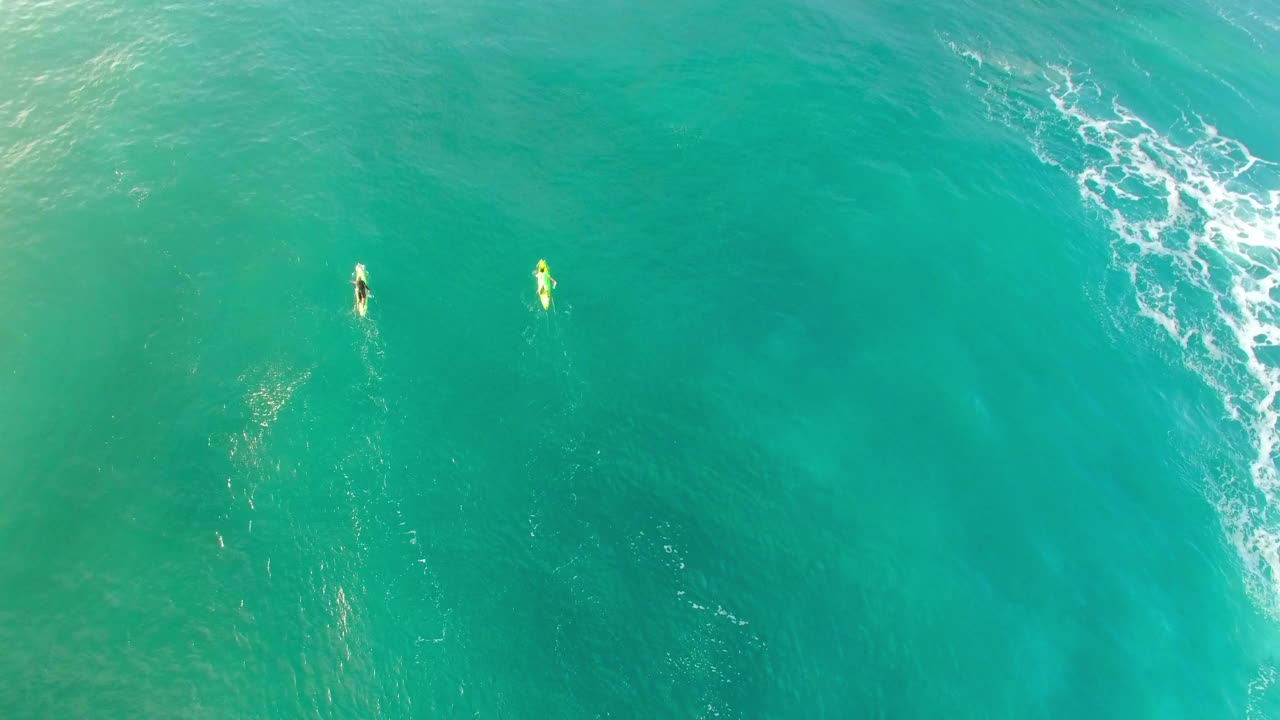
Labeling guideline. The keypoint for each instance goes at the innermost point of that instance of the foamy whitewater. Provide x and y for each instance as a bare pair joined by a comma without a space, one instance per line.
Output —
1196,222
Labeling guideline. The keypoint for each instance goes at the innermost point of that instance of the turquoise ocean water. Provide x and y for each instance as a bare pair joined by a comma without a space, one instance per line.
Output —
908,360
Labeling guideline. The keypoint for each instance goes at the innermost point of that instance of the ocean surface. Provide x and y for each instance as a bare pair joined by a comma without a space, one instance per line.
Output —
908,360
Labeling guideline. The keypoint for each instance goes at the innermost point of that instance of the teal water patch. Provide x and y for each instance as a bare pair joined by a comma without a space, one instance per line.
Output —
905,362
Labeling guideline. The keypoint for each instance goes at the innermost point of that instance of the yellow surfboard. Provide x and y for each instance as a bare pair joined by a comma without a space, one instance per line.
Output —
544,290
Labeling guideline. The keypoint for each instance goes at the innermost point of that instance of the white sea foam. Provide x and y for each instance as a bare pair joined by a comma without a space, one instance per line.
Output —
1259,689
272,393
1195,218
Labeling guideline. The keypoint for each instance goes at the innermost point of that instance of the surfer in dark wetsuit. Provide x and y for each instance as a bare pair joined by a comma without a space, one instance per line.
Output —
362,289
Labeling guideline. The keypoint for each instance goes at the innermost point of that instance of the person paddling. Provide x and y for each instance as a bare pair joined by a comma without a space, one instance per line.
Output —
543,274
361,284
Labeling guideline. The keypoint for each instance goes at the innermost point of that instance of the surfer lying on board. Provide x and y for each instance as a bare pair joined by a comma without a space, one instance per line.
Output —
543,273
362,288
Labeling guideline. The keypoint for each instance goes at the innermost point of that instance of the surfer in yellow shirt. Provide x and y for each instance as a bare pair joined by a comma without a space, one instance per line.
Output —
543,274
